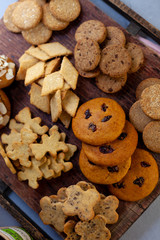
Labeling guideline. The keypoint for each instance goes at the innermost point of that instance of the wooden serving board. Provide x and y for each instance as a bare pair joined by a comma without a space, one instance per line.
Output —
14,46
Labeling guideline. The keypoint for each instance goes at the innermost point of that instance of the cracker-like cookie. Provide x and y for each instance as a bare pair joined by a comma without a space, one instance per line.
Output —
93,29
50,21
65,10
109,84
7,18
7,160
5,109
70,231
115,36
115,61
102,174
37,35
150,101
115,152
151,136
137,117
87,54
144,84
27,15
137,56
101,120
140,180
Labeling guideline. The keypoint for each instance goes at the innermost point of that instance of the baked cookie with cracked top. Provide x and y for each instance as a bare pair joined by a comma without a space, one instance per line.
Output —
87,54
98,121
144,84
5,109
113,153
93,29
115,61
140,180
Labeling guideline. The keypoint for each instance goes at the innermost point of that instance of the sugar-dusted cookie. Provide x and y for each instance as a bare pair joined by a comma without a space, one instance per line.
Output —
150,101
101,120
65,10
113,153
151,136
115,36
110,84
144,84
115,61
7,71
137,56
140,180
137,117
37,35
27,14
5,109
87,54
7,18
102,174
93,29
50,21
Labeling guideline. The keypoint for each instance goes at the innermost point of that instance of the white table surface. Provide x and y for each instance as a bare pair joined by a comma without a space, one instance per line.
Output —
147,227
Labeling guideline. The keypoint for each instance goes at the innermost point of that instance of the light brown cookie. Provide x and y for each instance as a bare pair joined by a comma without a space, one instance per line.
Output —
144,84
93,29
115,61
101,120
5,109
27,15
7,18
102,174
115,36
140,180
137,117
151,136
70,231
87,54
50,21
65,10
37,35
150,101
137,56
109,84
88,74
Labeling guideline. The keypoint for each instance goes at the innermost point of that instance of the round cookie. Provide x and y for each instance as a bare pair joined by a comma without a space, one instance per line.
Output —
144,84
140,180
151,136
102,175
109,84
5,109
115,152
137,117
93,29
98,121
40,2
137,56
65,10
90,74
87,54
27,15
7,71
38,35
50,21
115,61
115,36
150,101
7,18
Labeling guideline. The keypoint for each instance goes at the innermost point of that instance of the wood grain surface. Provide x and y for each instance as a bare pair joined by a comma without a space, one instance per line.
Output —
14,46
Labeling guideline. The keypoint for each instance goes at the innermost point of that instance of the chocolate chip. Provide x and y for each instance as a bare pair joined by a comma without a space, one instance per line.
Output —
145,164
104,107
106,118
119,185
87,114
122,136
92,127
106,149
113,169
110,90
139,181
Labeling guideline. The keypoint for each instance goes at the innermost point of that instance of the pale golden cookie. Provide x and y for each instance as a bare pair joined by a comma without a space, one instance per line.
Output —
27,15
37,35
65,10
144,84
